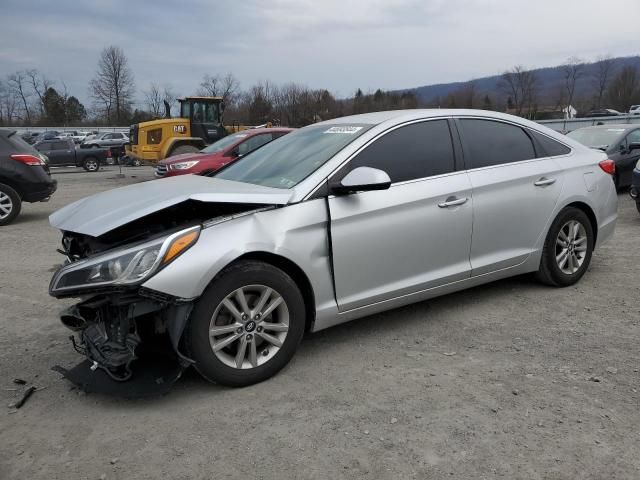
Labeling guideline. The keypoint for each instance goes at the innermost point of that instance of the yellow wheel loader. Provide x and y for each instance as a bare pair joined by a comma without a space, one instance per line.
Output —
200,124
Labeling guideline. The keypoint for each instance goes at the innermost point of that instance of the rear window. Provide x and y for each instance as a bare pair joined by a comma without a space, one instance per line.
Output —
550,147
16,144
492,143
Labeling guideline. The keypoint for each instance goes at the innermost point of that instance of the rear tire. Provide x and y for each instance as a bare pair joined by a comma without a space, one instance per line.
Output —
184,149
91,164
567,249
10,204
256,347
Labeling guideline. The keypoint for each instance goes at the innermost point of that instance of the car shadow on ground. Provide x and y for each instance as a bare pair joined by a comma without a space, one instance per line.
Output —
383,325
27,217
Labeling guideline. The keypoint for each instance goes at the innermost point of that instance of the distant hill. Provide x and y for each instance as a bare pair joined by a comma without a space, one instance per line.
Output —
550,80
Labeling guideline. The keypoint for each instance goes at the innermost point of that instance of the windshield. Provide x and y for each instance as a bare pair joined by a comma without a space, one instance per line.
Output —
596,137
224,143
289,160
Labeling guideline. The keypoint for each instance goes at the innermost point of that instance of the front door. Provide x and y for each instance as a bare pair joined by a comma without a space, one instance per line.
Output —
415,235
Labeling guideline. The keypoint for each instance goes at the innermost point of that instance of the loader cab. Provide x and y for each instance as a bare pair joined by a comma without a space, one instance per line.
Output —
205,117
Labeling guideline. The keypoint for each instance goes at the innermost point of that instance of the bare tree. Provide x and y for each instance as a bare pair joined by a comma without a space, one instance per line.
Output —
602,76
521,86
572,71
39,83
153,100
624,90
217,86
113,85
18,86
7,105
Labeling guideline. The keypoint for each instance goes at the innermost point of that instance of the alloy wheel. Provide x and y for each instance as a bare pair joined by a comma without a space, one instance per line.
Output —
249,326
571,247
6,205
91,165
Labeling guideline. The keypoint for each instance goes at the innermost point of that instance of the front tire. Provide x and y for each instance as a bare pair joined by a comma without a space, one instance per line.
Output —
247,325
10,204
567,249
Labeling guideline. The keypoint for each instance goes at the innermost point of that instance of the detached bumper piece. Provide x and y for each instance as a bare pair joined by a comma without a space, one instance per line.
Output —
130,341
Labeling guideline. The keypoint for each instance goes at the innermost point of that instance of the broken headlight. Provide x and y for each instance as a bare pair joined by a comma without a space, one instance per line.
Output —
126,266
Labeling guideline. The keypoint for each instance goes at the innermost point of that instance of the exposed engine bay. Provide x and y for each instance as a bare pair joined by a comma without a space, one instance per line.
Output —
119,327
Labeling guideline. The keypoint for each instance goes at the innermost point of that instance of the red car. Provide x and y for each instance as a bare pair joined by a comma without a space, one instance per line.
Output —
218,154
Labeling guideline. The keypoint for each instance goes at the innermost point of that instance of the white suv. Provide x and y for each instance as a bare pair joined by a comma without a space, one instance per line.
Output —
634,110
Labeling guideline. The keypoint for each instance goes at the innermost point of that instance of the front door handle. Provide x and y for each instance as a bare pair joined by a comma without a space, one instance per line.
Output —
544,181
453,202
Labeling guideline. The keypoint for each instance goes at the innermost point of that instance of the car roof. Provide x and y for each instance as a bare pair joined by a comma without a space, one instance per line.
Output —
399,116
615,126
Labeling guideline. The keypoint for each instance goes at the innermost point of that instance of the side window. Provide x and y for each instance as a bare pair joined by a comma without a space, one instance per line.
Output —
415,151
491,143
44,147
254,142
550,147
633,137
60,146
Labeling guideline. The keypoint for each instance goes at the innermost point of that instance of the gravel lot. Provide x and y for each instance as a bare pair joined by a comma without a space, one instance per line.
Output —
509,380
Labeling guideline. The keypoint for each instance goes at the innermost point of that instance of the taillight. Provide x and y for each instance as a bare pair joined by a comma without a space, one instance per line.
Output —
27,159
609,166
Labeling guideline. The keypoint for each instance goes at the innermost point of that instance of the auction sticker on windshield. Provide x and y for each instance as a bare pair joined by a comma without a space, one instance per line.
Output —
347,130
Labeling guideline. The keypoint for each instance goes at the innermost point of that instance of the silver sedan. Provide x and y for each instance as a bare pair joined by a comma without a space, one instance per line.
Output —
333,222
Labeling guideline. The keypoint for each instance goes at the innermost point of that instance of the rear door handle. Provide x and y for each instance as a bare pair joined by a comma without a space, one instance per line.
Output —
453,202
544,181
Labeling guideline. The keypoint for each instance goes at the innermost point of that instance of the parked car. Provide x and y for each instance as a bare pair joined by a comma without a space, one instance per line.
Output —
48,135
220,153
634,191
30,137
112,139
332,222
63,152
24,176
74,135
603,112
634,110
620,142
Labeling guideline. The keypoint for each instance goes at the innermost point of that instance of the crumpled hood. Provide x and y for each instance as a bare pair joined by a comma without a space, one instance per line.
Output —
105,211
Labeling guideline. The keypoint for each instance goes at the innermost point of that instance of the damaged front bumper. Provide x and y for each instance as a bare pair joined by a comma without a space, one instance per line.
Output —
128,337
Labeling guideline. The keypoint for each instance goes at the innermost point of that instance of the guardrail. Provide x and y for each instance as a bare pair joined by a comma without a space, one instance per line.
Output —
566,126
22,130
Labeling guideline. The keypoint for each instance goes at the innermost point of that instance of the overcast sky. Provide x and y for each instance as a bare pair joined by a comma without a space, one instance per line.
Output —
341,45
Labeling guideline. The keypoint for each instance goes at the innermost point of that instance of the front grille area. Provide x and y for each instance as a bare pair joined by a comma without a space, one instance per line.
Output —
161,170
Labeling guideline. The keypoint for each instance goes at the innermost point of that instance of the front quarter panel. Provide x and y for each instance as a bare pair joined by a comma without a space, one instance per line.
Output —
297,232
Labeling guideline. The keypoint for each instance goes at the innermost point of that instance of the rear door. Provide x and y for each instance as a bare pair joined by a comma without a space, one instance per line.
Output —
627,159
61,153
413,236
515,190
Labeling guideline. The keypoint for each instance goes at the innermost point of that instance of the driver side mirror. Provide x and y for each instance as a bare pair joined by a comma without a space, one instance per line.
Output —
362,179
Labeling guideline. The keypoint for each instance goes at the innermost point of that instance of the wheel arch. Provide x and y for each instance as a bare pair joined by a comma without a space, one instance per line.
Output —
588,211
13,185
180,141
294,271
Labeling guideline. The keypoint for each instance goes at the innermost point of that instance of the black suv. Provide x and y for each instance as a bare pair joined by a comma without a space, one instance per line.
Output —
24,176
